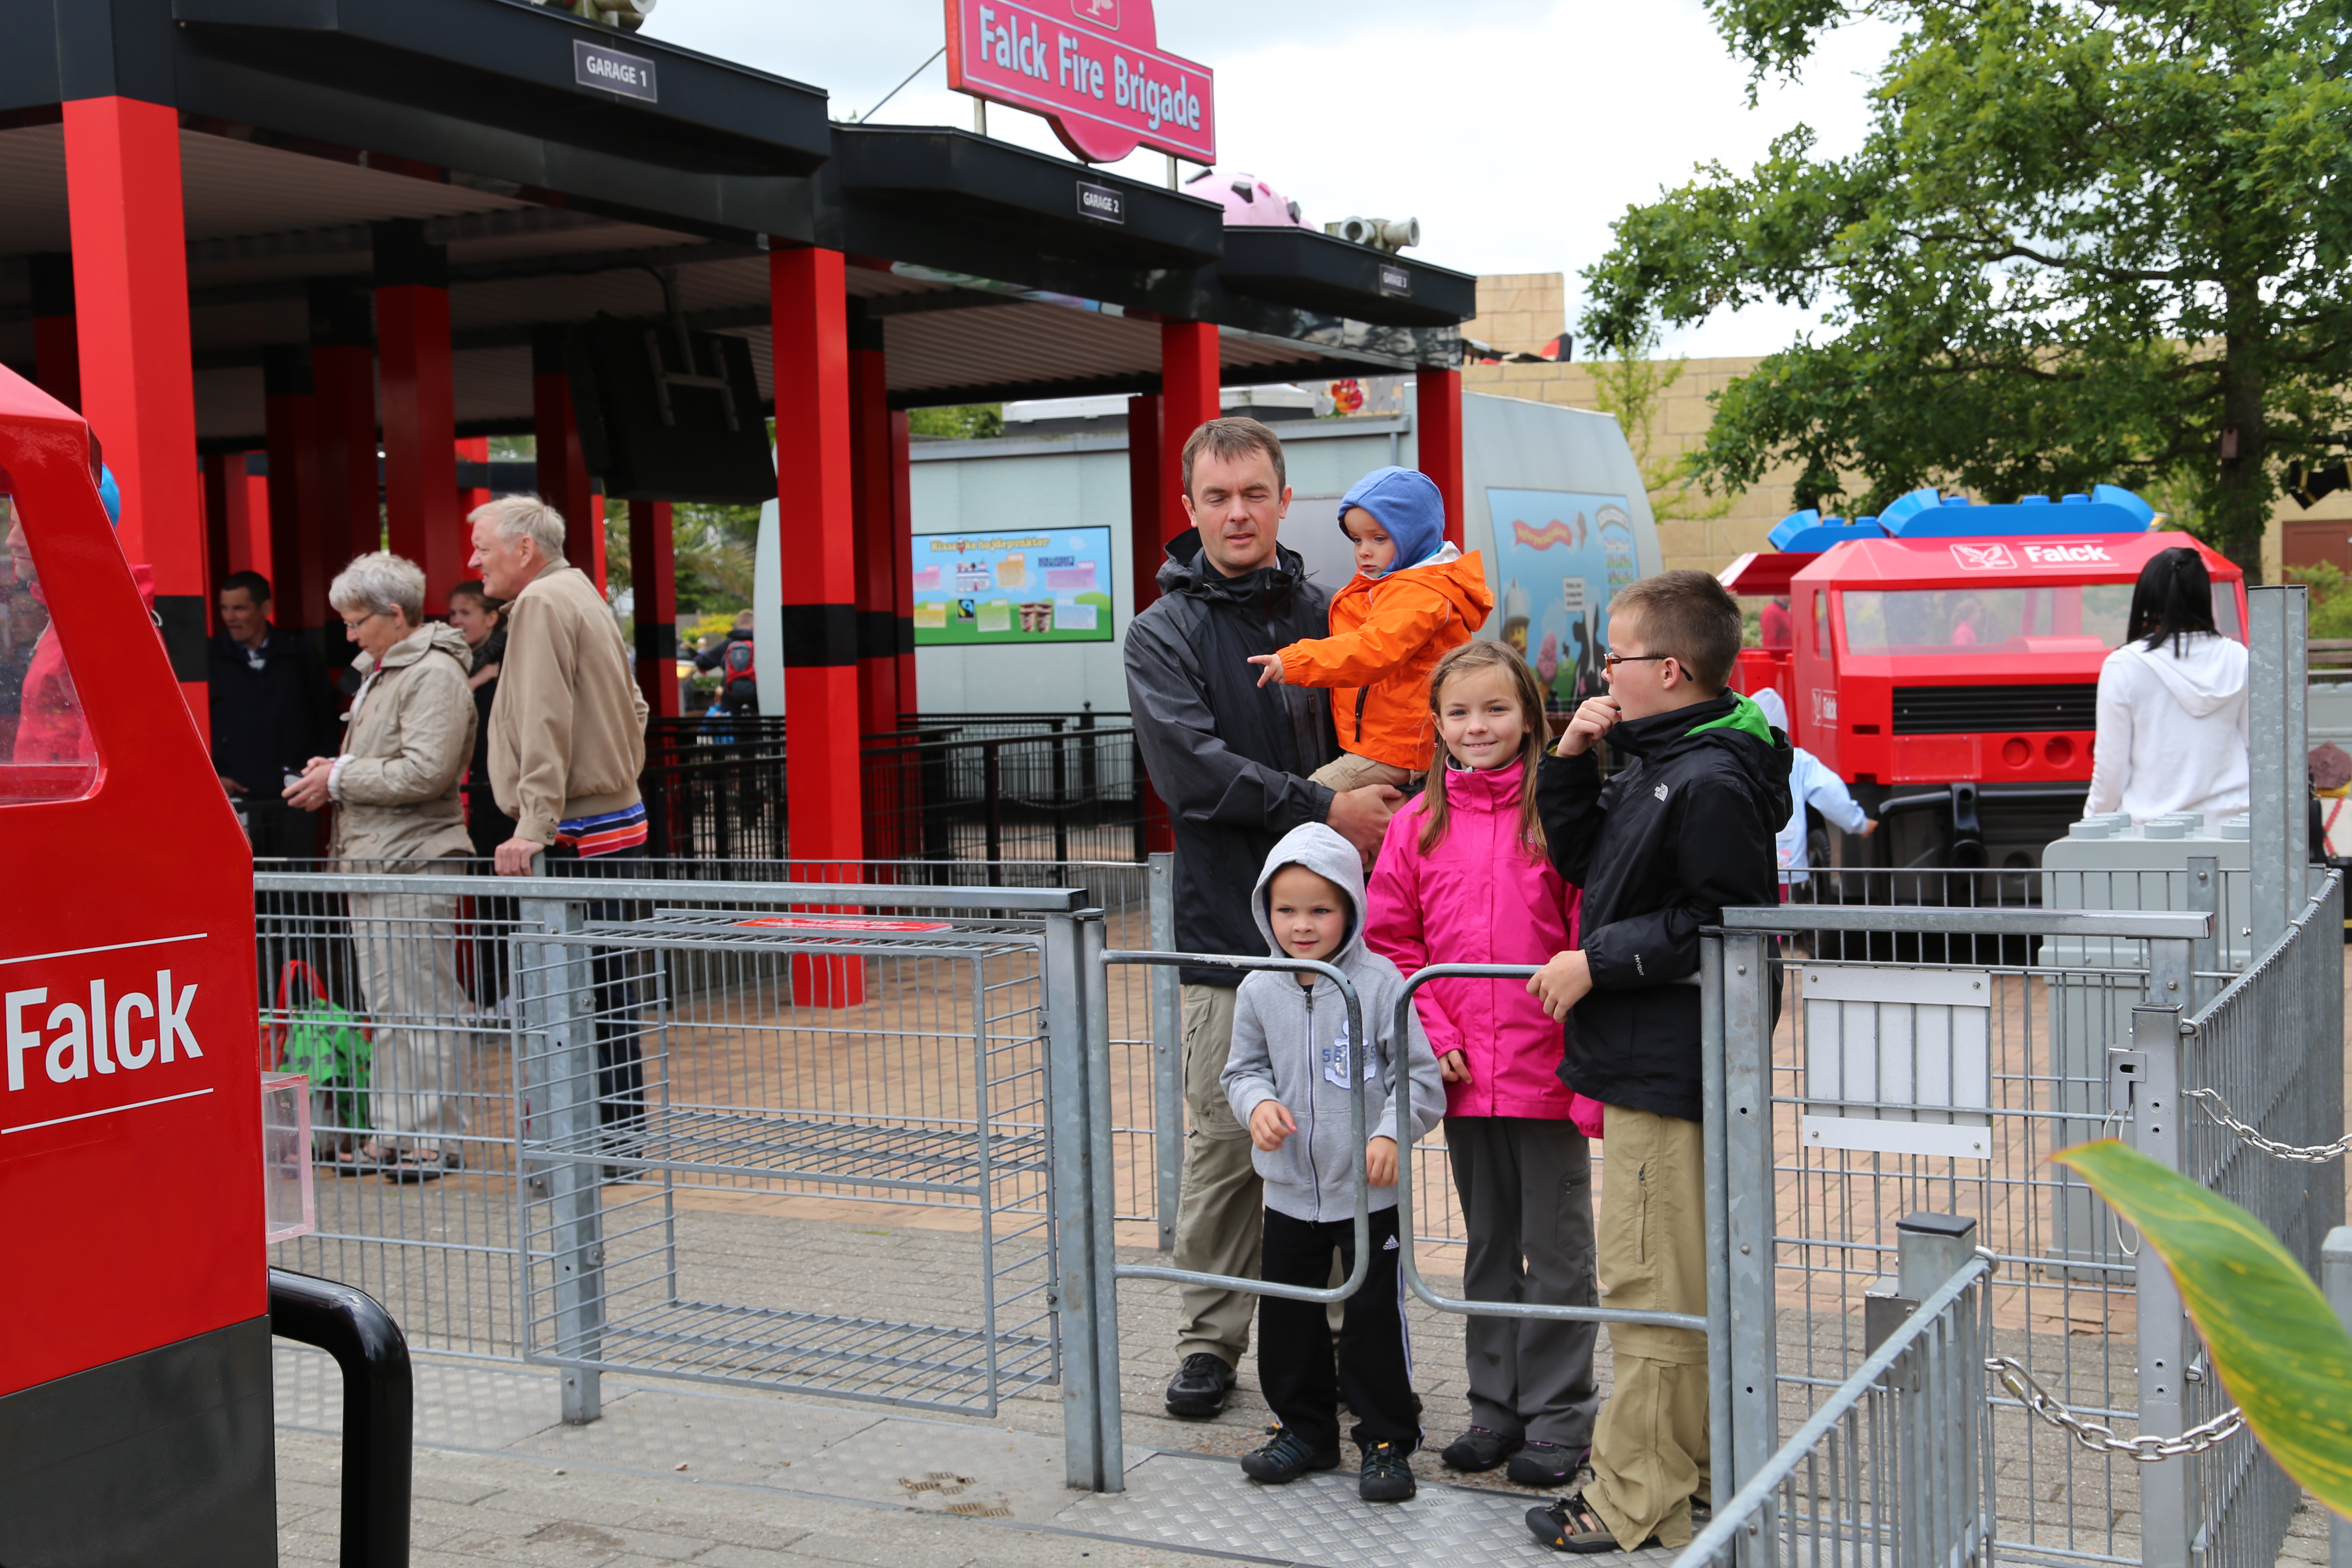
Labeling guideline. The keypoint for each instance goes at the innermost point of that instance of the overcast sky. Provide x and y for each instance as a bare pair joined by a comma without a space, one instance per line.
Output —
1515,130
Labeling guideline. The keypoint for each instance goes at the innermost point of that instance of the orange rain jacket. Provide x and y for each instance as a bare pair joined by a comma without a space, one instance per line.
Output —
1386,633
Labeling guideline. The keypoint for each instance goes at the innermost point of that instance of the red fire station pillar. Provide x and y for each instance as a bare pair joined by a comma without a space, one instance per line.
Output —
242,503
563,481
1437,432
1188,399
809,316
902,553
473,450
215,468
56,353
297,555
420,408
871,493
342,377
138,378
653,583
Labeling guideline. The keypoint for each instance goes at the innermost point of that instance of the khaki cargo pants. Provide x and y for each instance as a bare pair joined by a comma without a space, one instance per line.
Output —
1220,1212
1649,1455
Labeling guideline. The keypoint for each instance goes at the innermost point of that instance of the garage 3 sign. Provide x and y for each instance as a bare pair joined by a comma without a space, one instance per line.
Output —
1092,67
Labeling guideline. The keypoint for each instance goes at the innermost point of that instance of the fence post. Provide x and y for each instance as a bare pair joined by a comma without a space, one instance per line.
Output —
1941,1475
1069,1164
2205,952
991,771
1718,1268
2297,742
1166,1044
2169,1508
2267,615
552,974
1749,1203
2336,1278
1101,1136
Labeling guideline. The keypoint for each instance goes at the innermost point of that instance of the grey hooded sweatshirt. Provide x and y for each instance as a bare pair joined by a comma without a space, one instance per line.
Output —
1290,1045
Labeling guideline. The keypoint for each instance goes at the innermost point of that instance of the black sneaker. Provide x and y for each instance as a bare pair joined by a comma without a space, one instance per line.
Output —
1285,1458
1199,1388
1480,1448
1385,1476
1546,1464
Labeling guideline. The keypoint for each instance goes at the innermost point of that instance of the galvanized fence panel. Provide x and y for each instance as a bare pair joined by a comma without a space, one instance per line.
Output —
1894,1467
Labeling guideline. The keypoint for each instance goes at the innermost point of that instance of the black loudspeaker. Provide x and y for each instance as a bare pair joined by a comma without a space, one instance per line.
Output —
667,414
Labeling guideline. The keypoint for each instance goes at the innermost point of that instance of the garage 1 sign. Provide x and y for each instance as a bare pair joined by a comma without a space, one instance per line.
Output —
1092,67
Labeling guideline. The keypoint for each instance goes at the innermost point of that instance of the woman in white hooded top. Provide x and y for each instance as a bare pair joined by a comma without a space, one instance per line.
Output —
2172,703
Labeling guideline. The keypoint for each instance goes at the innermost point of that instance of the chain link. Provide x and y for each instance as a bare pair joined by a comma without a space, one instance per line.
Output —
2100,1437
2314,1154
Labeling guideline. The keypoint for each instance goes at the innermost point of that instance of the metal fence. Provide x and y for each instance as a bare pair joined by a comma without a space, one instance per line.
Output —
1018,790
1895,1468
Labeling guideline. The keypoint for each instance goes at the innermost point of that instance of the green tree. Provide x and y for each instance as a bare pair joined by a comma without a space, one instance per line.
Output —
1631,386
2079,242
958,421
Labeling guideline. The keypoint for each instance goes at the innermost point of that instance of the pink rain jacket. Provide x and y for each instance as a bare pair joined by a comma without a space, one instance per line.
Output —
1478,898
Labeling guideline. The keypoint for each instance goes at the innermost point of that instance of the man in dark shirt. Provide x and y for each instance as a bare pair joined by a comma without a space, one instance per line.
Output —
273,709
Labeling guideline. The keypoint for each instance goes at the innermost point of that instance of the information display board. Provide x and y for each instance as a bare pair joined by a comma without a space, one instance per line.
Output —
1562,555
1052,585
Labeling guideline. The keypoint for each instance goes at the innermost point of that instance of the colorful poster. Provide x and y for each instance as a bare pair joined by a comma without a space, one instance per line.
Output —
1560,556
1052,585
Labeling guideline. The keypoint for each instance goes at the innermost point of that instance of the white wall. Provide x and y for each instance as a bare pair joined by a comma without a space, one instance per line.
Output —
1078,481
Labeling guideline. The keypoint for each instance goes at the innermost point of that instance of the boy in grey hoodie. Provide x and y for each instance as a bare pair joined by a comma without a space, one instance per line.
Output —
1288,1080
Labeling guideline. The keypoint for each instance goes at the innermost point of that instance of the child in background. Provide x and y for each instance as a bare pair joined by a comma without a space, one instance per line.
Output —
1413,597
1681,830
1462,877
1287,1080
1811,783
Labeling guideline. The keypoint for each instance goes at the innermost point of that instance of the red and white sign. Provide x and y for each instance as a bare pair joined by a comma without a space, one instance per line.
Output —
1092,67
2068,555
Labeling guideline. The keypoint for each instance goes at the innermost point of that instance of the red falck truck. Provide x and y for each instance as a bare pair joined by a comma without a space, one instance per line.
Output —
1943,658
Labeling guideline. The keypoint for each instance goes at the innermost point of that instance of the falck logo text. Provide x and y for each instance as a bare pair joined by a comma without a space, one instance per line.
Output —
1983,557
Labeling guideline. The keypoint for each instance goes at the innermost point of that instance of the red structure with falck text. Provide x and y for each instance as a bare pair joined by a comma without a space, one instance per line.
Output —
134,1329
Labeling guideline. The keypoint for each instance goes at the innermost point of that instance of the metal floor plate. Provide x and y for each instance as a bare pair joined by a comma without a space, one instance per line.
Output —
1180,1500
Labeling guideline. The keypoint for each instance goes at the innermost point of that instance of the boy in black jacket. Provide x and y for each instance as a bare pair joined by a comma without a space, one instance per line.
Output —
1682,830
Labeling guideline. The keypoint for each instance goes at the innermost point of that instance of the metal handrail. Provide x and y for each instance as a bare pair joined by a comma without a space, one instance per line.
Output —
2258,963
618,889
2155,925
1322,1295
1403,1091
379,1406
1731,1519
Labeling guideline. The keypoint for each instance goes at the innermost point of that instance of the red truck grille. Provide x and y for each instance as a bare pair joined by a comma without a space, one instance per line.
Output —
1968,710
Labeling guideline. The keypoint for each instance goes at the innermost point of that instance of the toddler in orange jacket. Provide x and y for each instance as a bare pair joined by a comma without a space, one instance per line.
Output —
1414,598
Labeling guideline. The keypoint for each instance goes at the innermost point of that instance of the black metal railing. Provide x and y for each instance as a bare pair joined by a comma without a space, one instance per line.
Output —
1048,788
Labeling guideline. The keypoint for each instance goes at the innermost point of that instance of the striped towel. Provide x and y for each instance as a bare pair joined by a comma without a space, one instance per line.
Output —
595,836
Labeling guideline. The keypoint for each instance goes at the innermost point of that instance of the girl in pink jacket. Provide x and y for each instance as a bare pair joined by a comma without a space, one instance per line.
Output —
1462,877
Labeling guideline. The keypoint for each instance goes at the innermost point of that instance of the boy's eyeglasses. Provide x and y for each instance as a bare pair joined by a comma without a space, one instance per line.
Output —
1610,661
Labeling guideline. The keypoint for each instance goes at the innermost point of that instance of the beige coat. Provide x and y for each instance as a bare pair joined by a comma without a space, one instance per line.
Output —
405,749
568,730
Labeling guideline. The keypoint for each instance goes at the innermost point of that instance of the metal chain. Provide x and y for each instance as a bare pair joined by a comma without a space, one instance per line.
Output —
2314,1154
2100,1437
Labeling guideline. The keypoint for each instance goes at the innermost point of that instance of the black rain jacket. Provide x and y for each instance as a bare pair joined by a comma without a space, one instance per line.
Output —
271,722
1680,833
1229,758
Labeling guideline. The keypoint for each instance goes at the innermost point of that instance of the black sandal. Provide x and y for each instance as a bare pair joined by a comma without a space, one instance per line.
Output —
1571,1524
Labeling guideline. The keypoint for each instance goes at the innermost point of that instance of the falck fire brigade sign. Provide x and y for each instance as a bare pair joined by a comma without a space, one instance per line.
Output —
1092,67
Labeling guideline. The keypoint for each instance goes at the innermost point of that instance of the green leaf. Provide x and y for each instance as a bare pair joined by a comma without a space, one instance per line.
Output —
2277,1345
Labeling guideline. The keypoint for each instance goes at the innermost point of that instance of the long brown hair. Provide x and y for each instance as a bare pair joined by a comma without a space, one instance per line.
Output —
1468,659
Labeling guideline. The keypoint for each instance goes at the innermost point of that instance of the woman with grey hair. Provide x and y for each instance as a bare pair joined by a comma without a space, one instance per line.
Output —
397,787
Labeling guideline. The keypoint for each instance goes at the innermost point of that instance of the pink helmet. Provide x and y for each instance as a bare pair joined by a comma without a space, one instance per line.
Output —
1246,198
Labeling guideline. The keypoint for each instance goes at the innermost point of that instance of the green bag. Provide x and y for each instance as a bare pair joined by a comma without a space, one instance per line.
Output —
328,1044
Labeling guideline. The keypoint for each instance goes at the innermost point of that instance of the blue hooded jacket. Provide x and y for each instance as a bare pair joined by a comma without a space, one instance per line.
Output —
1407,503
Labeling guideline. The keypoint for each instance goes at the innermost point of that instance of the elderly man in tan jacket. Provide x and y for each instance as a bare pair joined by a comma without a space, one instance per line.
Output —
567,743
